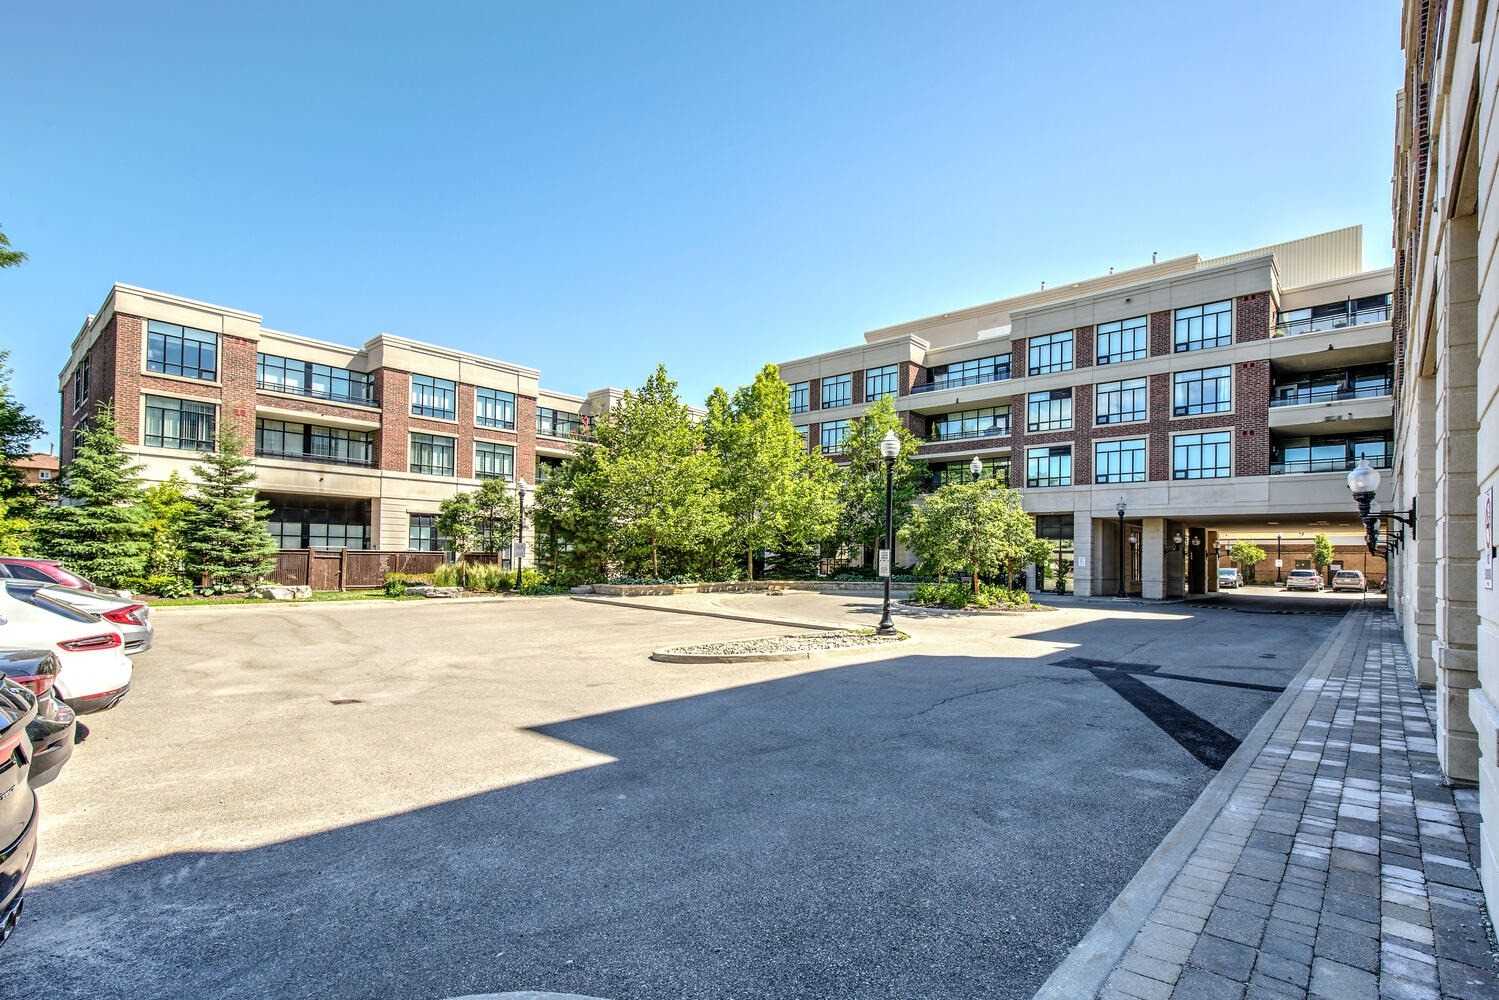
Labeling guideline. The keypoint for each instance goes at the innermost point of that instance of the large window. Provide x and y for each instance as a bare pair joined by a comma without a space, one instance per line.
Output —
837,390
1322,387
806,435
494,461
975,372
1206,390
833,434
1334,315
1123,401
881,382
433,397
494,408
1051,353
961,472
1201,327
558,423
1119,461
423,533
181,350
1051,466
303,378
1202,456
334,525
285,439
1329,453
431,455
801,397
81,379
1123,340
991,421
1049,411
179,423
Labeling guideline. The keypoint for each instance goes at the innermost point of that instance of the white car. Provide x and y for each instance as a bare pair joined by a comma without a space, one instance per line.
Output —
95,672
132,617
1303,579
1228,576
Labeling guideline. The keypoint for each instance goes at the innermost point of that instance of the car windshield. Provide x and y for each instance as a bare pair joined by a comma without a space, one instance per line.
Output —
1347,575
1302,572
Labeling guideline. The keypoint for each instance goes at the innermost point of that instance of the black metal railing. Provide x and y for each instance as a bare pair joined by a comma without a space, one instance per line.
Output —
312,456
1322,465
1332,393
314,393
993,430
1334,321
997,373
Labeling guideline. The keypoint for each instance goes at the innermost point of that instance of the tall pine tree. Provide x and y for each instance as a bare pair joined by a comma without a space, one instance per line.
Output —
226,542
97,529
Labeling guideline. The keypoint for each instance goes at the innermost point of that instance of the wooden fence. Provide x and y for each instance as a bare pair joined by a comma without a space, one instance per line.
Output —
348,569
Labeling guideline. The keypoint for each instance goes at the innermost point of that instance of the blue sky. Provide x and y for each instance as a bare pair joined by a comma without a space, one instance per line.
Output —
591,188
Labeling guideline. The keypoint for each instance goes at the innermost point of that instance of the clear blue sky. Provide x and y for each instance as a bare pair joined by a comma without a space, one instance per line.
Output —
590,188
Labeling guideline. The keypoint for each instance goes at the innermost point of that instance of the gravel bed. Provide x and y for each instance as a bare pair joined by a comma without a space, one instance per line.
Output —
813,643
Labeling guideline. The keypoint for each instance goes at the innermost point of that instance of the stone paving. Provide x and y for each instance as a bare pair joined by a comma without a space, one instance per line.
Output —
1340,868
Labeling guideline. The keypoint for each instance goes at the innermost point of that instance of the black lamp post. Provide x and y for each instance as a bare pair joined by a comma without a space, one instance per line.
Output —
1120,508
889,449
520,532
1363,483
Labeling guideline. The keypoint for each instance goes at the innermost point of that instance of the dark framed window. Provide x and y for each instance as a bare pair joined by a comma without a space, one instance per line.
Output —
801,397
1202,456
1204,390
1123,340
275,373
334,525
546,468
310,442
431,454
1120,461
179,423
1121,402
959,472
433,397
422,535
494,408
995,368
1049,466
837,390
181,350
1049,411
991,421
1329,453
558,423
806,435
493,460
832,434
81,380
1051,353
1201,327
881,382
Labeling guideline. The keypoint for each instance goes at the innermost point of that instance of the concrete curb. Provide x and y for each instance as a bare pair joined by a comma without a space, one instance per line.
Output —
781,622
1088,965
667,656
374,602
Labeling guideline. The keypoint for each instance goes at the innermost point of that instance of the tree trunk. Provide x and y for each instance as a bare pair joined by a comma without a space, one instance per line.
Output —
975,572
655,561
749,564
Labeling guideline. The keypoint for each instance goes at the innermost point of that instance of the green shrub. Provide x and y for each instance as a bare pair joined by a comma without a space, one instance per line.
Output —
943,595
396,584
158,585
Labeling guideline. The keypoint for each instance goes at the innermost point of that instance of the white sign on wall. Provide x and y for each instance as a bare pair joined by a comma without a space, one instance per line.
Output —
884,562
1277,564
1486,536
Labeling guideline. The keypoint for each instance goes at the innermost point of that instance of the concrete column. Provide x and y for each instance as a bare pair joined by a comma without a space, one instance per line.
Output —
1176,560
1153,558
1455,650
1209,541
1085,562
1420,613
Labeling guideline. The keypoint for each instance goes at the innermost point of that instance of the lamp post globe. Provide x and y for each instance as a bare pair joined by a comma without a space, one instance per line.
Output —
1363,483
889,446
1120,508
976,467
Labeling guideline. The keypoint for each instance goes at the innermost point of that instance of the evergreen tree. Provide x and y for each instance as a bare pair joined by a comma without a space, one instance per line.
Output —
226,539
18,429
97,529
861,482
773,491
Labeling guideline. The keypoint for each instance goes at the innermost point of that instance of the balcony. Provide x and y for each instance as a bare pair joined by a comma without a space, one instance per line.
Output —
998,373
310,456
1306,395
1306,465
315,393
991,431
1334,321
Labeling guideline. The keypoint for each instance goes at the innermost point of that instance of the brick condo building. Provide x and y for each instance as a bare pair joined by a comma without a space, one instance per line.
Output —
1148,415
354,447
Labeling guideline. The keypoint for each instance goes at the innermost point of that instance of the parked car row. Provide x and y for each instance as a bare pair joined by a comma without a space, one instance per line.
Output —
65,648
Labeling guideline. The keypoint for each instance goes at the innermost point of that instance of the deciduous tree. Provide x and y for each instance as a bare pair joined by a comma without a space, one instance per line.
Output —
861,482
981,527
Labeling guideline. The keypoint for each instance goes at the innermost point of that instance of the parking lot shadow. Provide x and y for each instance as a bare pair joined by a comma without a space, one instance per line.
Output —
917,826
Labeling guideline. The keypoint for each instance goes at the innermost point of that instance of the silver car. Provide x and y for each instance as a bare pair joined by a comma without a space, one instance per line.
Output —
1303,579
131,617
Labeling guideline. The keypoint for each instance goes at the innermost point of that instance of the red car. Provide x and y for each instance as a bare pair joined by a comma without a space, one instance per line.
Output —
41,571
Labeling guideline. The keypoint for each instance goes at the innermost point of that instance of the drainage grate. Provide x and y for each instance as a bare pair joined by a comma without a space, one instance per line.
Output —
345,701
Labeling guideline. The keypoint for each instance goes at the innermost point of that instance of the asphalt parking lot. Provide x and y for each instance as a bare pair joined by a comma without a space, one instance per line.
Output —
424,800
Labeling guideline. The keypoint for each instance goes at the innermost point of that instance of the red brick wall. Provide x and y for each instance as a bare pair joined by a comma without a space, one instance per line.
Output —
814,431
814,394
1160,333
1082,347
1017,358
394,387
525,437
856,390
1249,421
1252,317
912,375
237,394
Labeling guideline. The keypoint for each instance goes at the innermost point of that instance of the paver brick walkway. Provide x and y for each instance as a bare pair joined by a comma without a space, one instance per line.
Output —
1341,867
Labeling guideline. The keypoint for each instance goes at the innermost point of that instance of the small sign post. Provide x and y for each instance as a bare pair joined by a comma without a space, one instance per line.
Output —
884,562
1486,536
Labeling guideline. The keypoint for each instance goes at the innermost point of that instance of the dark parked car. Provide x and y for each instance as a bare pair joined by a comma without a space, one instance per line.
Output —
54,730
18,809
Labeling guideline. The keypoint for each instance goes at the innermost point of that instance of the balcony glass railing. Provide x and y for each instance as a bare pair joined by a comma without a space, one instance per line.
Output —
991,430
1335,321
309,456
1296,466
357,396
996,374
1331,393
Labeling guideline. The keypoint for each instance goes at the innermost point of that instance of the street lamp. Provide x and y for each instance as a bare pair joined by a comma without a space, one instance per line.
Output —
520,533
1363,483
889,449
1120,507
976,468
